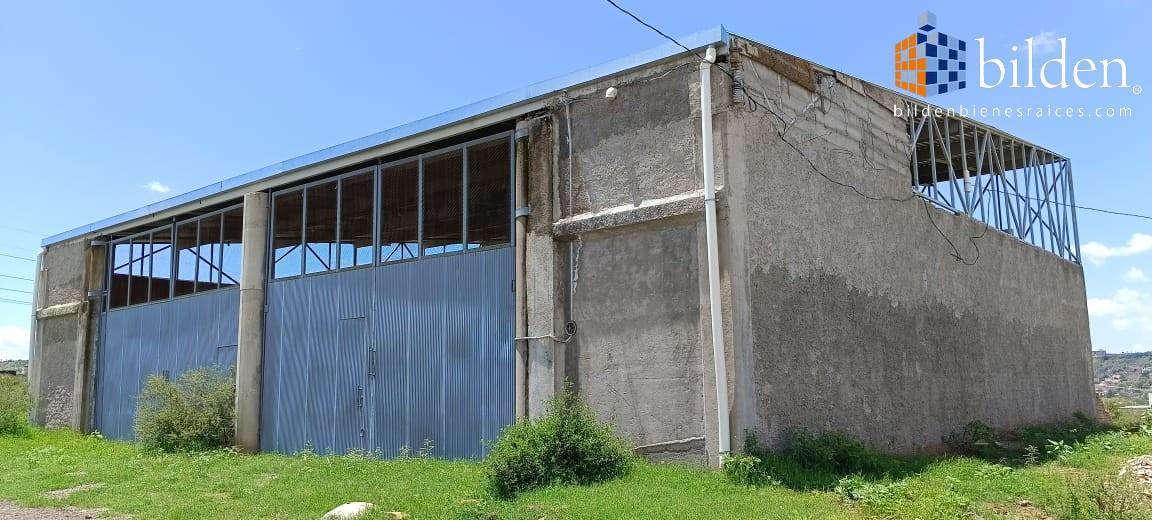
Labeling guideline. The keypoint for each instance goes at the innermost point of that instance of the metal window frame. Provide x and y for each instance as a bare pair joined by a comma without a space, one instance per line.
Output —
463,196
374,170
419,206
378,206
335,261
152,265
173,259
220,267
271,274
216,252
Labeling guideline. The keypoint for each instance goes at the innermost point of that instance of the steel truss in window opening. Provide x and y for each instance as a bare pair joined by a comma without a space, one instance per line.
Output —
186,257
449,200
1011,185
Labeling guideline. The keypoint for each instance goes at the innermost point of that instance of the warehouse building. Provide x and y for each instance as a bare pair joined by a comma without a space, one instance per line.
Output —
703,242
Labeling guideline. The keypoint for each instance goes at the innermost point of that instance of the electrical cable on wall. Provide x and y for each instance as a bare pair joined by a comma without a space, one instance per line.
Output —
755,105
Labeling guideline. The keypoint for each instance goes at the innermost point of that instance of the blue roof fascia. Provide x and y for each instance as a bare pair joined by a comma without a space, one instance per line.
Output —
535,91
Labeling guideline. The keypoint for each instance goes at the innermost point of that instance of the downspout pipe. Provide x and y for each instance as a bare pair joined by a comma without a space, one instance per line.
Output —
721,370
521,311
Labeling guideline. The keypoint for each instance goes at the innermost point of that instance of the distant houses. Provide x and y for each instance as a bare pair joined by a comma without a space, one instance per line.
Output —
15,367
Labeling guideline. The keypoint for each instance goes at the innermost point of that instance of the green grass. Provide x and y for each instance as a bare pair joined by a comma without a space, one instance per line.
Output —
224,485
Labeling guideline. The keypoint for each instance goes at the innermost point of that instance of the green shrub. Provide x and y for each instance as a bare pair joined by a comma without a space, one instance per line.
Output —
194,413
748,470
816,461
566,446
14,405
881,497
976,439
834,451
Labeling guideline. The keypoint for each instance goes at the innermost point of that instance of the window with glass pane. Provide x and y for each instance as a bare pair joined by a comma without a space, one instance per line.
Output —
320,228
356,211
121,261
489,203
399,211
287,234
443,203
230,255
161,264
139,270
185,258
208,254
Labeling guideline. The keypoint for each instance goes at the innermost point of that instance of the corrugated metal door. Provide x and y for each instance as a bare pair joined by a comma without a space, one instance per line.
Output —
429,343
168,337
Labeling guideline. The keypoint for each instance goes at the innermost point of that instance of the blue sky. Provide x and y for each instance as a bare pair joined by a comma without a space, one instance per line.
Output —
105,107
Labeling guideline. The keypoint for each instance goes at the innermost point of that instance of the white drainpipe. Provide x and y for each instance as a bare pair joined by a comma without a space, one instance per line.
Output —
722,419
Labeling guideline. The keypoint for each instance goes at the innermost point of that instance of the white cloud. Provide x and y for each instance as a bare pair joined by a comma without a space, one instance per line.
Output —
1046,42
1135,275
13,342
1128,309
158,187
1097,252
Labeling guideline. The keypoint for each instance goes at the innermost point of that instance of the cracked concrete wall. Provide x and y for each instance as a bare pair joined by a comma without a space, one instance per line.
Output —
858,319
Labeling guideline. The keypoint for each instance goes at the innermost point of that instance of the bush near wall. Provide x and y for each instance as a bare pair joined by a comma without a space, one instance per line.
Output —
194,413
14,405
566,446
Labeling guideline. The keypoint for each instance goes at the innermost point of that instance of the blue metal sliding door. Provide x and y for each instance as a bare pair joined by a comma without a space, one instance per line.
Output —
395,356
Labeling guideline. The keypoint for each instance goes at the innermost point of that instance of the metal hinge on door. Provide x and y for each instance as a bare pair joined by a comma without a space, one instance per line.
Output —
359,397
372,362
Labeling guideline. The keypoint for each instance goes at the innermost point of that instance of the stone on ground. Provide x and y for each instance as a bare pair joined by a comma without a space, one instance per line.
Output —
348,511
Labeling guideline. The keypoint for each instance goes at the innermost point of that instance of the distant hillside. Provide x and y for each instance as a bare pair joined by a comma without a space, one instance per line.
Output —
19,365
1128,375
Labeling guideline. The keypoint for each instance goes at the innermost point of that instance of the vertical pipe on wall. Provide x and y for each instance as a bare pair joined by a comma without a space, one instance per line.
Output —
521,194
721,372
250,336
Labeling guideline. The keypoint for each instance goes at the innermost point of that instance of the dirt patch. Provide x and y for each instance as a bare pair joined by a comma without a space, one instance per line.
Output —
10,511
65,493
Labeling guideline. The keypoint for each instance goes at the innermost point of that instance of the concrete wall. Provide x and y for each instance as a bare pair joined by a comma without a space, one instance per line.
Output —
628,211
857,316
66,327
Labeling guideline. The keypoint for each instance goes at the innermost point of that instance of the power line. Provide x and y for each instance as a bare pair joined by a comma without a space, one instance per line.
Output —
18,257
22,249
17,302
15,290
650,26
1089,208
1109,211
754,104
21,230
16,278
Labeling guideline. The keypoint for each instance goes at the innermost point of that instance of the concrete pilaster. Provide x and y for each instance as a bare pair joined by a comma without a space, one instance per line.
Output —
250,340
543,274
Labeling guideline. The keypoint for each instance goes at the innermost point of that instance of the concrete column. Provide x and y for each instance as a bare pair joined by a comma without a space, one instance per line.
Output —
250,340
542,274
